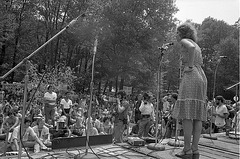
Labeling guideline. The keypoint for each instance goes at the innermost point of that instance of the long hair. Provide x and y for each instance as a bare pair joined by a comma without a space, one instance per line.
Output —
187,30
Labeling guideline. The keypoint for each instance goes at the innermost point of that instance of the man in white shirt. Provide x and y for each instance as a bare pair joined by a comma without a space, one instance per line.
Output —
148,116
221,113
66,104
50,98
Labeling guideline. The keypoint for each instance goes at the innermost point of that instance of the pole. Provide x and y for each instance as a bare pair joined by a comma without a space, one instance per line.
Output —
213,96
235,122
158,95
24,108
91,93
213,105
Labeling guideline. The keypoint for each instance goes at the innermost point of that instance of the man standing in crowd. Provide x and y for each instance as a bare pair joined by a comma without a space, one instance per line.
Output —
136,107
148,116
50,98
221,113
120,118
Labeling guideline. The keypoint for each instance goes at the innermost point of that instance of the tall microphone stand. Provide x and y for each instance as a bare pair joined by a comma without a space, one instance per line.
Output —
213,106
26,62
91,94
157,146
213,96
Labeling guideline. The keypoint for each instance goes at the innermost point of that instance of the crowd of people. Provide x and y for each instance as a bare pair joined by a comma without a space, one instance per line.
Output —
65,117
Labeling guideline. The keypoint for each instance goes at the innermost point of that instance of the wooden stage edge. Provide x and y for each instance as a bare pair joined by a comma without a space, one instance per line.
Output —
222,148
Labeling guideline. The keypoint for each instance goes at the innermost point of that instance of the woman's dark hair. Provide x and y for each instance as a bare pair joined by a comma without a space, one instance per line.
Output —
146,96
187,30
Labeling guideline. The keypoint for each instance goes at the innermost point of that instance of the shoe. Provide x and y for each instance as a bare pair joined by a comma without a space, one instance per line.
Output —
196,154
185,154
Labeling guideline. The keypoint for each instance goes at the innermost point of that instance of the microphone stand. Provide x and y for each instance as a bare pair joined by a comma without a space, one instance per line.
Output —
91,94
158,91
213,106
157,146
26,62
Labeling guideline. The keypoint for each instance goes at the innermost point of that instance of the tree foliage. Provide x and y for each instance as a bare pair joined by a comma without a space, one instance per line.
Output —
129,33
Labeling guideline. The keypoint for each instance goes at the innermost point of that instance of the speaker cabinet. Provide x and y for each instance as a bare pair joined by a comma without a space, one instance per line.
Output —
69,142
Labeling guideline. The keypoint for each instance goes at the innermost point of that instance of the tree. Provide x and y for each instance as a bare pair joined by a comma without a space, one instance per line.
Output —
211,33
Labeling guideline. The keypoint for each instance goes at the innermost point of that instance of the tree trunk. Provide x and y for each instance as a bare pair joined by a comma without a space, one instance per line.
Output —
116,86
3,48
3,53
17,39
105,87
56,51
99,86
14,58
121,84
110,86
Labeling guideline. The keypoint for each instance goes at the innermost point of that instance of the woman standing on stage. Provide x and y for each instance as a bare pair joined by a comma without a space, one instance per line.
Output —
191,103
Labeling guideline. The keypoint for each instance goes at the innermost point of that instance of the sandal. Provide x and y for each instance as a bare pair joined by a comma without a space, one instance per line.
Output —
196,154
185,154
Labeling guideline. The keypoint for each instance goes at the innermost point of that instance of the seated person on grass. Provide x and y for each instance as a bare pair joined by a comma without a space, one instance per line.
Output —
29,138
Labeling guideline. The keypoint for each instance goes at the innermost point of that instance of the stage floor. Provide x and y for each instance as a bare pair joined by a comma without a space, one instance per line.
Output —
222,148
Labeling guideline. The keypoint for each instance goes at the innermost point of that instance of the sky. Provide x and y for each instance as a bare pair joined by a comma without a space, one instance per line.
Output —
198,10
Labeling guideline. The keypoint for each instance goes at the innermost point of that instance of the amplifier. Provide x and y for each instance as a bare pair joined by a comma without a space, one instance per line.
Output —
136,141
69,142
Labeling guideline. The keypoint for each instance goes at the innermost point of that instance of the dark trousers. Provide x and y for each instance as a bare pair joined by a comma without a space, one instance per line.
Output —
49,111
144,126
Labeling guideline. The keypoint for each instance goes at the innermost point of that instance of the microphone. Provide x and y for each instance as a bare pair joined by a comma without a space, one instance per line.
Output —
223,56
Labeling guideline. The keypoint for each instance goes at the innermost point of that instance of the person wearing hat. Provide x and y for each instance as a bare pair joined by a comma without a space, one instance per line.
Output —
221,113
50,99
61,129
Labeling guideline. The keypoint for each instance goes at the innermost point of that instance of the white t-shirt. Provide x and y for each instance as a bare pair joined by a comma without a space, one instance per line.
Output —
51,96
221,110
66,104
44,132
147,109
